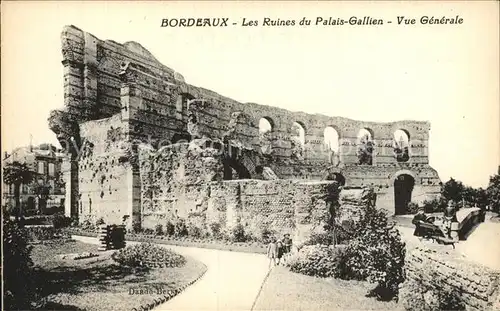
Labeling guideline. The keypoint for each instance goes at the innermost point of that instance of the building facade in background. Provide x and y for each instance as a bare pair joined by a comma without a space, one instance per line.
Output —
46,193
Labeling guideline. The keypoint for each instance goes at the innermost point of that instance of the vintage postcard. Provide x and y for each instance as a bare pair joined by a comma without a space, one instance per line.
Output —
251,155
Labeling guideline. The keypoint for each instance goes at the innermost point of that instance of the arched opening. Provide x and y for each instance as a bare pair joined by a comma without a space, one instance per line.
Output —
401,145
365,146
265,129
331,144
233,169
403,187
299,133
298,140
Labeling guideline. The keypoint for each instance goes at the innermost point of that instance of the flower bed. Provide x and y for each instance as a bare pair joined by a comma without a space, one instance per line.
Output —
148,255
83,255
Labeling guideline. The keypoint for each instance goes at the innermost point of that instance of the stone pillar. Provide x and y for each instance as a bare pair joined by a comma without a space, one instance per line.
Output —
70,176
131,102
90,73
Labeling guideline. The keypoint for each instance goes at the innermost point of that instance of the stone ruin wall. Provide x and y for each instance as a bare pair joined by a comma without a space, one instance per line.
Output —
104,172
105,79
431,266
183,181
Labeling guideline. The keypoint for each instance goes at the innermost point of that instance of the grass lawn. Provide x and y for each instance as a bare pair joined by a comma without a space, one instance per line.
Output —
99,283
285,290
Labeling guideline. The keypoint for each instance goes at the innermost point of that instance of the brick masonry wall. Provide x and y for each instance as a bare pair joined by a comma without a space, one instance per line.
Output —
478,286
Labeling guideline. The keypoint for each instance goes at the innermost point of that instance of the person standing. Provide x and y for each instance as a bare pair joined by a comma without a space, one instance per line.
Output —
287,246
450,216
272,252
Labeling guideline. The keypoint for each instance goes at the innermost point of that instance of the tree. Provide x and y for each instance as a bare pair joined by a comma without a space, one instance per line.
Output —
400,152
365,150
453,190
493,193
16,174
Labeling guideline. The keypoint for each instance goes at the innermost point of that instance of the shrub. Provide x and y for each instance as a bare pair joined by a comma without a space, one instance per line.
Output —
265,235
324,238
136,227
148,231
41,233
74,221
493,192
59,220
412,208
180,228
376,253
99,222
435,205
215,229
194,231
238,233
159,229
340,234
319,260
17,265
146,254
169,228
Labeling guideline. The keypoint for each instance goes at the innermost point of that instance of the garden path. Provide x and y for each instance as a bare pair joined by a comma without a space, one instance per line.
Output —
232,281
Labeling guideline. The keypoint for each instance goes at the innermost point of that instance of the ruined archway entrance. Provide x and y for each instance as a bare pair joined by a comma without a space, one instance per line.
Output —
403,187
233,168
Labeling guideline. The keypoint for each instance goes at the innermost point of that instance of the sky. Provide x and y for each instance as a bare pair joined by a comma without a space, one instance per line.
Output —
445,74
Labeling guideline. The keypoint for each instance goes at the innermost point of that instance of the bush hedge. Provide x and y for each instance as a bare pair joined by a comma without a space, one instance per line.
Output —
17,267
319,260
41,233
377,253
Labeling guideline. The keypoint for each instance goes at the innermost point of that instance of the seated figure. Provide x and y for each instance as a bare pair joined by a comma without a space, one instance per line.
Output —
419,217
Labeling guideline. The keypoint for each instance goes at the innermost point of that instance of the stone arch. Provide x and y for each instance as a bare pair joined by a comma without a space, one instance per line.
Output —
266,124
401,145
299,132
365,143
402,172
404,183
266,127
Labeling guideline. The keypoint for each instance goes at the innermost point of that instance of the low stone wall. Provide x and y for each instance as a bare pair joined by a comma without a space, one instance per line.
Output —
467,219
430,271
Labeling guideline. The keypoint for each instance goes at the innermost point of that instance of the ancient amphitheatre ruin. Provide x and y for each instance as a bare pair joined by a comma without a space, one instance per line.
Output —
145,146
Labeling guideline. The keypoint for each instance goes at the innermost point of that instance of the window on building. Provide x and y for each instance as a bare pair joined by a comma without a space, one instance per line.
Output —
51,169
41,167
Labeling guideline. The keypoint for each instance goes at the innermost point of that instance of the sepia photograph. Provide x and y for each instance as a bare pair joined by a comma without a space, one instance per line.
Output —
250,155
